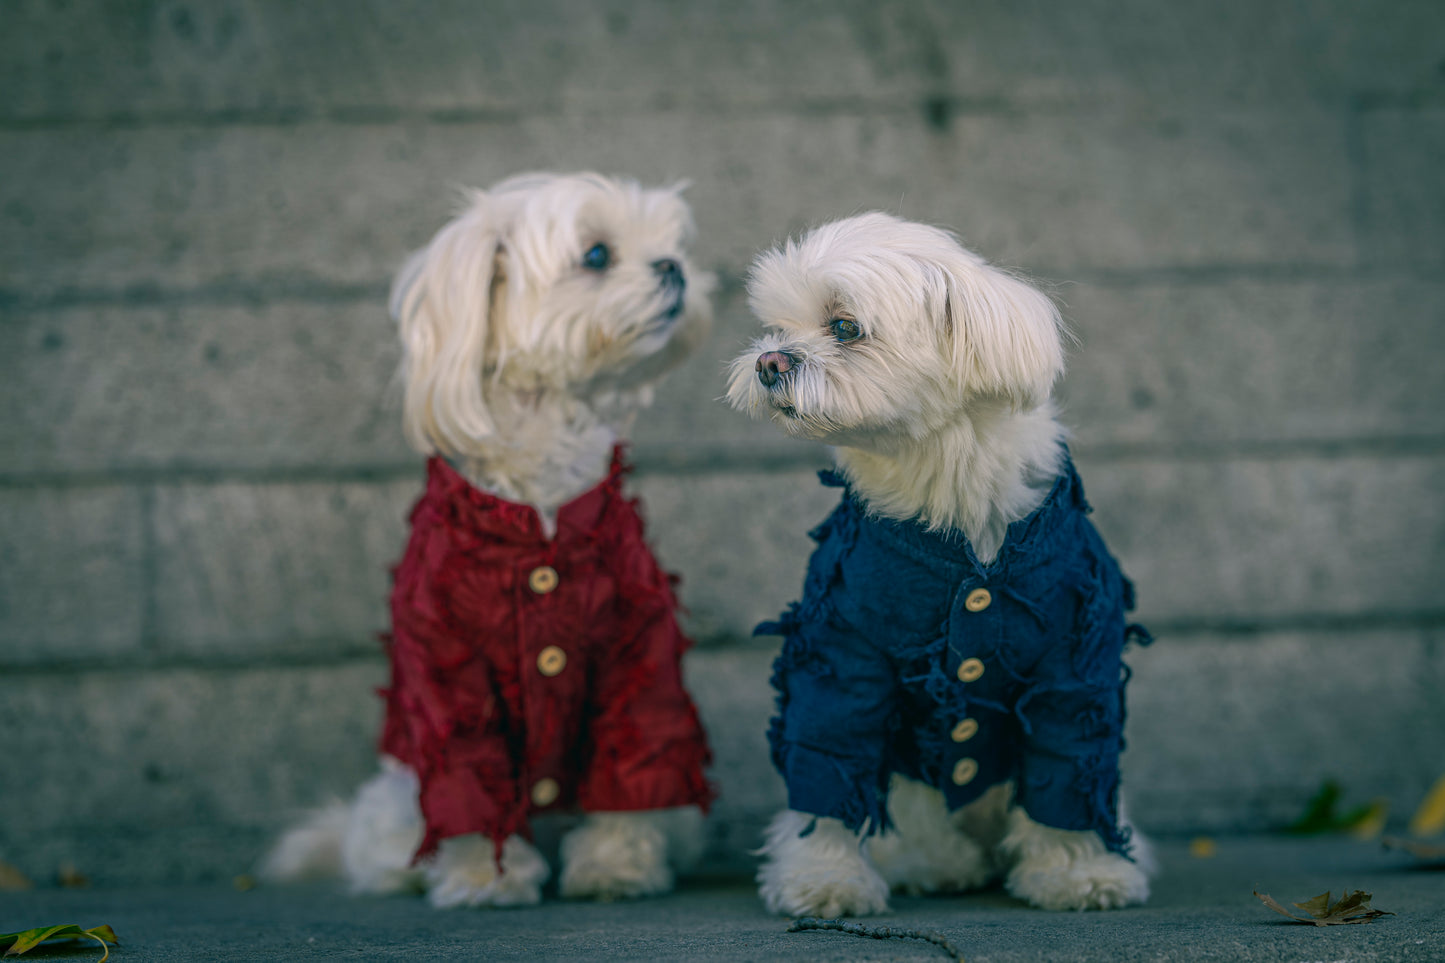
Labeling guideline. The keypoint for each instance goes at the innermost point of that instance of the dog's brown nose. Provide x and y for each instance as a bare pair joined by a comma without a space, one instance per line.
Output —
771,364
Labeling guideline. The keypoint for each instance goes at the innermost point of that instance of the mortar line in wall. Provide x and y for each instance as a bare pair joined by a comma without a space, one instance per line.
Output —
1368,101
1304,622
1357,162
1186,630
150,568
263,291
389,115
664,461
255,292
915,102
152,659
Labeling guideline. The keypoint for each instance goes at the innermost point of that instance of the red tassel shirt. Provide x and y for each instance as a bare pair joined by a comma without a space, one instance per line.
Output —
533,674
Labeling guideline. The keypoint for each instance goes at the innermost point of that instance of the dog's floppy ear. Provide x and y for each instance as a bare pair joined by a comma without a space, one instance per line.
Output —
442,302
1006,337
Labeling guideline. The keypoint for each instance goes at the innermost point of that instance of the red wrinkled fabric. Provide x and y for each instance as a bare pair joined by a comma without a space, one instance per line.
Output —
468,707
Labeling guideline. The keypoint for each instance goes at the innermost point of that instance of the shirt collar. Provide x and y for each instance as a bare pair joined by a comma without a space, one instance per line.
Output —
485,512
1034,534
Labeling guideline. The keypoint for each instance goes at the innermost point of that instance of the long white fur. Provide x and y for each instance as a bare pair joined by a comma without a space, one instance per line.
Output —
523,368
939,412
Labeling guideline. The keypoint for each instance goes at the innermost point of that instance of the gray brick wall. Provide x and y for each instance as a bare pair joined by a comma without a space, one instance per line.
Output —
202,478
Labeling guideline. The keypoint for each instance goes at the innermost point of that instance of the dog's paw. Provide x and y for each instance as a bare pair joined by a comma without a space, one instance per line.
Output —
824,873
615,856
925,851
1059,869
825,891
464,873
1101,882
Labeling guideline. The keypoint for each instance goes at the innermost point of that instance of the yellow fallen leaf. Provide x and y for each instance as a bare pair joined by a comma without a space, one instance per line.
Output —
1203,847
1371,822
1429,819
27,940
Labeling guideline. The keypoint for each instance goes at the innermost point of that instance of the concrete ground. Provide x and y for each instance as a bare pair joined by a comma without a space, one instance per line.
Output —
1202,909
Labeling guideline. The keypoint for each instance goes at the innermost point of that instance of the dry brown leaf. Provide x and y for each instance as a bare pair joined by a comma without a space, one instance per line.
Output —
1351,908
1430,852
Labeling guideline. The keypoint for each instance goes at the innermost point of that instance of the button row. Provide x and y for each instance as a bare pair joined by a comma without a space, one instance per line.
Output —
969,670
550,662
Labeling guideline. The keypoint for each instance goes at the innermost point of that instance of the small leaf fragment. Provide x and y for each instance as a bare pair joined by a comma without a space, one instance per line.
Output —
1269,901
1317,907
11,879
1368,822
1319,815
1429,852
1322,815
70,877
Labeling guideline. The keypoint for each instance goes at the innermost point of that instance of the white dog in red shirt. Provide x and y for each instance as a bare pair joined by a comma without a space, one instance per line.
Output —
534,326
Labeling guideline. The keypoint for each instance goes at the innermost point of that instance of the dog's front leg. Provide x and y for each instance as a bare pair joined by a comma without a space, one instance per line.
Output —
623,855
1062,869
464,873
819,873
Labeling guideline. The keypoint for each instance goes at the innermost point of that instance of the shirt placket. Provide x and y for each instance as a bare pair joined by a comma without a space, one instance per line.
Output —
974,617
544,665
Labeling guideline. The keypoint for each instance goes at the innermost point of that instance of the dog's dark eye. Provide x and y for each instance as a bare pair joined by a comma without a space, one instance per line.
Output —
597,257
845,330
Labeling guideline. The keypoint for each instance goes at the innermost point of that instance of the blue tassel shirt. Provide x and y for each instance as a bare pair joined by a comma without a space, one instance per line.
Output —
909,655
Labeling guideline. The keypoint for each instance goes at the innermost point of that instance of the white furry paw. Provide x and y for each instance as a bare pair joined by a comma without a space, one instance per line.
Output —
464,873
615,856
925,852
309,850
382,832
1058,869
824,873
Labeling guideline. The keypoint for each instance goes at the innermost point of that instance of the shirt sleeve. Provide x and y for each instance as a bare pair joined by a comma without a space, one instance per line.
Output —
648,747
836,699
1072,715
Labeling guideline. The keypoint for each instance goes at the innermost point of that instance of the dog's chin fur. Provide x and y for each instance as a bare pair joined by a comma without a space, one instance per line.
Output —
524,367
940,411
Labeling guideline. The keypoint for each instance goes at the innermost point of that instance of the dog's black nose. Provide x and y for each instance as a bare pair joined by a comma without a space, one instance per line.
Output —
772,364
669,271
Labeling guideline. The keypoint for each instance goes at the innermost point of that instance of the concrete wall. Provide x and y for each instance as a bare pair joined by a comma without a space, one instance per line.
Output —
202,479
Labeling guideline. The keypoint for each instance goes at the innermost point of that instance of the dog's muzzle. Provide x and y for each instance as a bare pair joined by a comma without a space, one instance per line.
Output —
673,284
772,365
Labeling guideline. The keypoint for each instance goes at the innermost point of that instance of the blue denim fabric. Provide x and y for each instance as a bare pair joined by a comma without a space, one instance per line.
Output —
868,679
